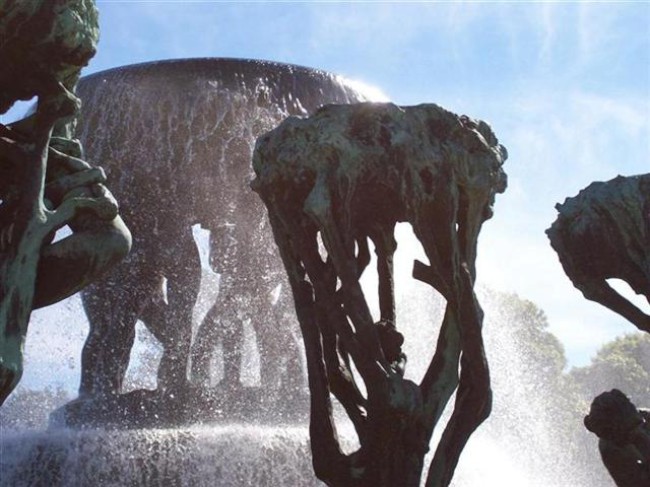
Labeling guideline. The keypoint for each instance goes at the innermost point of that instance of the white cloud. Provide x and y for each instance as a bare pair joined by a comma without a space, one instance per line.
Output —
595,29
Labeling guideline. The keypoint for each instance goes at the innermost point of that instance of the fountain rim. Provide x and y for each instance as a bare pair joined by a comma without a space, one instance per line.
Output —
212,60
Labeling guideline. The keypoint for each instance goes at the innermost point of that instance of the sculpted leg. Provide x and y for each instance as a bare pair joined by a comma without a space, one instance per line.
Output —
207,338
174,331
232,333
70,264
112,312
280,365
599,291
223,321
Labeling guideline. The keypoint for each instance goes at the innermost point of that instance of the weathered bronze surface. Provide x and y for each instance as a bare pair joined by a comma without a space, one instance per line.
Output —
331,183
44,182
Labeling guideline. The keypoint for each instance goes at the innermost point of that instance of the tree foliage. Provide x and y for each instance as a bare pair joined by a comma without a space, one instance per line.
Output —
624,364
536,397
528,325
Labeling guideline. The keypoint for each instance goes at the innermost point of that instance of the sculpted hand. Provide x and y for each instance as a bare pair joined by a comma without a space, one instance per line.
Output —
76,185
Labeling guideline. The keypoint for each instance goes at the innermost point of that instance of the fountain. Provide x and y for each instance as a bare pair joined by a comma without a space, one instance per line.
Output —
175,139
335,182
520,444
152,138
600,234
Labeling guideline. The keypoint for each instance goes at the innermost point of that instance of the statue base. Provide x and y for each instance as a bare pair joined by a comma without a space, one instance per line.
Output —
156,409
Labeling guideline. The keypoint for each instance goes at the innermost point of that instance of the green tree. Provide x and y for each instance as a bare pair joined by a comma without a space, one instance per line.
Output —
543,354
624,364
534,396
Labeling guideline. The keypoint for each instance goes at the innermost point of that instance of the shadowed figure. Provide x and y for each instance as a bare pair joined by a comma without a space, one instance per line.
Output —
44,182
143,278
260,297
604,233
624,438
349,174
176,139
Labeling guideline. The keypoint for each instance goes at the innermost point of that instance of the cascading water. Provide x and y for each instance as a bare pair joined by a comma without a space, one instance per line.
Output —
517,446
175,139
195,456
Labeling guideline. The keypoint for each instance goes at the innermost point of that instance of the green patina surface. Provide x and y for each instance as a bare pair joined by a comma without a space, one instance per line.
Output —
347,175
44,46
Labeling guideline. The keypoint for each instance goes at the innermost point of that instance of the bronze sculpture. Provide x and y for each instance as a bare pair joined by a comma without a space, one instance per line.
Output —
176,138
44,183
604,233
624,438
331,182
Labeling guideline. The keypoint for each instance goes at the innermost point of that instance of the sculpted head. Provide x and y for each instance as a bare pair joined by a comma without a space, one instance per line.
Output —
45,45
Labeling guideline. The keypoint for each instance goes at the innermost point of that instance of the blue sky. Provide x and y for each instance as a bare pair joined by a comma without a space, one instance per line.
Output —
566,87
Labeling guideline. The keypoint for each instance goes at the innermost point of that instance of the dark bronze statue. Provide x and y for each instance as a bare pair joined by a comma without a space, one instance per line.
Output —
624,435
604,233
176,141
348,175
44,182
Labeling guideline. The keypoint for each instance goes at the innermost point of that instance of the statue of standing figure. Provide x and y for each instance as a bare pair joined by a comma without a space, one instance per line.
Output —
44,182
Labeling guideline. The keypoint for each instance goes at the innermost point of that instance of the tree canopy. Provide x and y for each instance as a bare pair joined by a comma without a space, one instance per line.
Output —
624,364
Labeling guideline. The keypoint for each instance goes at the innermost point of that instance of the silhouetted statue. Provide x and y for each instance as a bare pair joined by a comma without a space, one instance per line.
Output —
44,183
343,176
624,435
604,233
176,140
248,289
